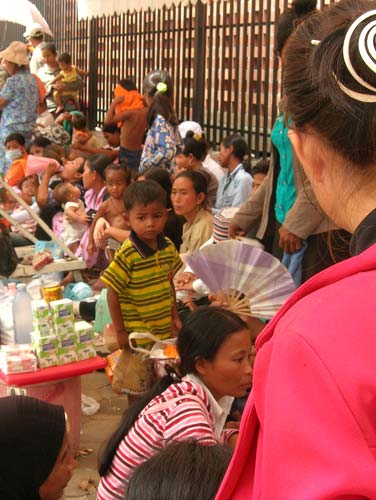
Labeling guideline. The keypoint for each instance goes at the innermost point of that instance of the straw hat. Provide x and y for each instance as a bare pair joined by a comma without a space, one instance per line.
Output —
16,53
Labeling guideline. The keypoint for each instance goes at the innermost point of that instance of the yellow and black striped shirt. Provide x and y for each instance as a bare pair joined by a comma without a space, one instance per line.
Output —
142,279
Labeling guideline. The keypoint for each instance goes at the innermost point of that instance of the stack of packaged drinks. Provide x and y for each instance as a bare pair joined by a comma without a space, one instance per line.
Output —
56,338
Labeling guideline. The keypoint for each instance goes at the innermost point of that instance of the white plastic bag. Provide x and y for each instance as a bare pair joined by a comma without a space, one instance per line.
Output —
89,406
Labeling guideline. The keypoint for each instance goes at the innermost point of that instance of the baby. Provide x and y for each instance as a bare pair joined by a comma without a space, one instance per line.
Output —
75,219
113,224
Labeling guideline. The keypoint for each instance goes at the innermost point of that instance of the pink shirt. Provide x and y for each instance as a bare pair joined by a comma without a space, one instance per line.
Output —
309,428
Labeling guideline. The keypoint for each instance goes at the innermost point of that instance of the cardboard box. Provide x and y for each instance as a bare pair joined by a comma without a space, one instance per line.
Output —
61,308
40,310
86,350
46,349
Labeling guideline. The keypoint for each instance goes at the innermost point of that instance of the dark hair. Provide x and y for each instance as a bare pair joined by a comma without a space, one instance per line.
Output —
15,136
199,182
55,152
202,335
179,471
110,129
119,167
22,182
66,58
41,142
261,167
128,84
163,178
144,193
312,79
79,121
288,20
162,103
195,144
49,46
98,163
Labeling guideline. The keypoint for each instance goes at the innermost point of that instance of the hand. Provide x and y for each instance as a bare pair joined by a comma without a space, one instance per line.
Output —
184,281
52,169
177,324
234,230
118,99
100,227
122,338
91,248
82,218
289,242
232,424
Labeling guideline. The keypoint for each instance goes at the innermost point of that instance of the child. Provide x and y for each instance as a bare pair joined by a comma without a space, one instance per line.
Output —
81,135
75,218
131,98
112,211
28,190
68,74
15,152
141,295
163,140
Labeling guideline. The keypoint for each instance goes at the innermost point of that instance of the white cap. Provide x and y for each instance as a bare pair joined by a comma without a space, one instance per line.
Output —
185,127
34,29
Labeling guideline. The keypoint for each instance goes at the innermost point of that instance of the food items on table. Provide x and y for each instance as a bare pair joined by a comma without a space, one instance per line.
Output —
170,351
52,292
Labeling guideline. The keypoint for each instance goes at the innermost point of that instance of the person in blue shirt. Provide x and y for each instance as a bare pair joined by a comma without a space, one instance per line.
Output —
235,187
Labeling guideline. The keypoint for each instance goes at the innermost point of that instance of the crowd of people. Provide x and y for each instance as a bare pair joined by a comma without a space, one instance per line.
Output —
293,421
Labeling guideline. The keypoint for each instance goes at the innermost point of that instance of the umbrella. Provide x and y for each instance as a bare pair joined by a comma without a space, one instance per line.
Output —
23,12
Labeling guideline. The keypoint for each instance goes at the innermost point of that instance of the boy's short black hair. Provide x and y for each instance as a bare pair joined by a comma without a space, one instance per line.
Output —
17,137
261,167
110,129
144,193
128,84
118,167
79,121
65,58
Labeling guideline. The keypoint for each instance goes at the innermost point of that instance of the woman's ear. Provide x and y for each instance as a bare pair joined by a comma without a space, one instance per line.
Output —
200,198
201,367
308,153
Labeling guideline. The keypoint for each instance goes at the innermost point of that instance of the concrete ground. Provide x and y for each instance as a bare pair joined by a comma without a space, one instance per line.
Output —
95,430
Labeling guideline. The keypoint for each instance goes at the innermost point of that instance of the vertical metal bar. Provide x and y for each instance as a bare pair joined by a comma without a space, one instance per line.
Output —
199,63
217,139
223,82
243,89
266,79
93,69
229,120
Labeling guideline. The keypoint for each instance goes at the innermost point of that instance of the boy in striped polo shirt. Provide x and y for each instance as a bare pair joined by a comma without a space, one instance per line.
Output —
141,295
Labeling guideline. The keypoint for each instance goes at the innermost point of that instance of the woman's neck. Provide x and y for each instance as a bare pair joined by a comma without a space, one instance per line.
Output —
196,164
356,210
233,163
190,217
98,186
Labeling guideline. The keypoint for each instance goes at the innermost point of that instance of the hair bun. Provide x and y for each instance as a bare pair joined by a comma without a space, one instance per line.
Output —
303,7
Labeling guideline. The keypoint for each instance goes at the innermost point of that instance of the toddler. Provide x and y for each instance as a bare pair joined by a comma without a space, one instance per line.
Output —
114,223
75,219
28,188
68,74
15,152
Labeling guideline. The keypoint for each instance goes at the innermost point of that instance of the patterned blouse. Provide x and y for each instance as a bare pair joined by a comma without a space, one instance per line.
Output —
162,144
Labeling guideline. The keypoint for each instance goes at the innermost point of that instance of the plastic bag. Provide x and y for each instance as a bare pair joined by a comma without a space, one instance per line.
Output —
133,374
89,406
102,313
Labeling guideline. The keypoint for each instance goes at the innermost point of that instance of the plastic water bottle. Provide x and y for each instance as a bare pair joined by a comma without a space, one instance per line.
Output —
22,315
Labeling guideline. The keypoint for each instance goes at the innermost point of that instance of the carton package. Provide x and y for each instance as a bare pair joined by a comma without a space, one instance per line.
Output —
67,349
43,329
85,340
46,349
61,308
17,359
41,311
62,329
85,351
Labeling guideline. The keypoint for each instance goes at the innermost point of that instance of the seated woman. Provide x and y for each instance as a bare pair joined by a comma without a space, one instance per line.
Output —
214,347
189,197
190,159
36,463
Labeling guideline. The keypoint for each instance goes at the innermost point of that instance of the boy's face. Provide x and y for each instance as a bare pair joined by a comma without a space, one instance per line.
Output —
71,170
36,150
14,145
147,221
63,66
258,179
116,183
113,139
28,188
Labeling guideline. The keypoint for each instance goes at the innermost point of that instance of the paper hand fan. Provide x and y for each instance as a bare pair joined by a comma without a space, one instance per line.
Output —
250,280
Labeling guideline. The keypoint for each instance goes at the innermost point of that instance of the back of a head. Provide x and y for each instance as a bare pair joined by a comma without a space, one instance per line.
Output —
181,471
288,20
239,146
65,58
330,81
195,144
79,121
31,436
128,84
98,163
162,176
158,86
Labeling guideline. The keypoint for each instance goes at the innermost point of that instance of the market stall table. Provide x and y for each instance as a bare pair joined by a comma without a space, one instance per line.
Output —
57,385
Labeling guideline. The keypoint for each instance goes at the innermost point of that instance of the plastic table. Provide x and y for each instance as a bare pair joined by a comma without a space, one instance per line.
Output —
56,384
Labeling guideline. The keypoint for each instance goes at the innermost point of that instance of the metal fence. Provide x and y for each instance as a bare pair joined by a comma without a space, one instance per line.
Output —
219,54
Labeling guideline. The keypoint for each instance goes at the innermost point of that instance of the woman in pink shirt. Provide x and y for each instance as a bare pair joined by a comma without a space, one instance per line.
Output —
309,428
214,346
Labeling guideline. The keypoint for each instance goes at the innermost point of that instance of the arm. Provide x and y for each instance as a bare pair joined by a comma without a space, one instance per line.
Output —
76,214
117,234
3,103
82,72
309,444
117,318
42,193
22,215
242,191
112,153
100,213
111,117
56,79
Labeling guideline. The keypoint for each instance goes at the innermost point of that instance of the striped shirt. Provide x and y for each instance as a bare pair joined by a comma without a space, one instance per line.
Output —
142,279
187,414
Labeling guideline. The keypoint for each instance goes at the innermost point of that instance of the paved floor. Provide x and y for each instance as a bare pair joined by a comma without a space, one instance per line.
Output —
95,430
